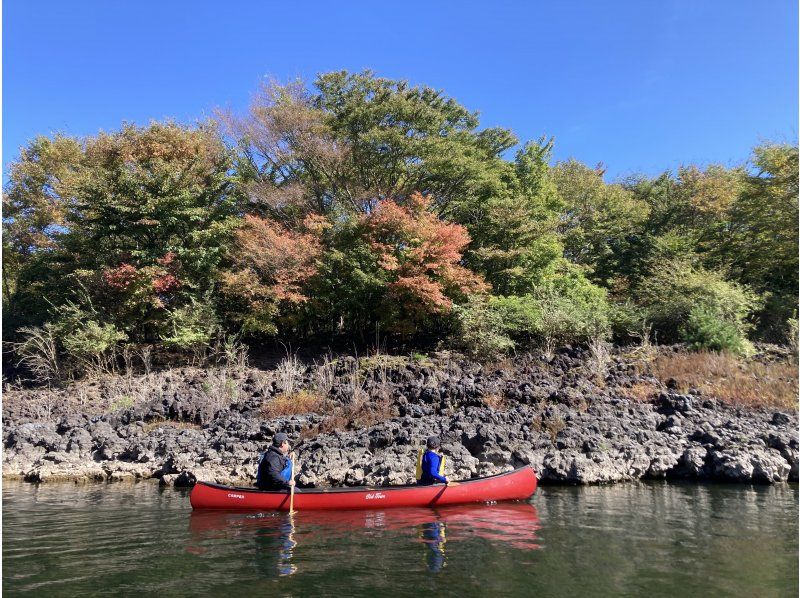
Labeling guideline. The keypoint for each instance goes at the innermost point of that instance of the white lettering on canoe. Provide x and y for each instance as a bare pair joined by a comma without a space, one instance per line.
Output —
375,495
239,496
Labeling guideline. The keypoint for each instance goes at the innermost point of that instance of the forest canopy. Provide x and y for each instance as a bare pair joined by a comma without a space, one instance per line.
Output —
360,204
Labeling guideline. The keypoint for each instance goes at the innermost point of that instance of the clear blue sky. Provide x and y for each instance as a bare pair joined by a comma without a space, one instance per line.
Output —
639,85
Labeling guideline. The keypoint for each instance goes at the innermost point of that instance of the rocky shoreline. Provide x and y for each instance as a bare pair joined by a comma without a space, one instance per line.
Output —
573,426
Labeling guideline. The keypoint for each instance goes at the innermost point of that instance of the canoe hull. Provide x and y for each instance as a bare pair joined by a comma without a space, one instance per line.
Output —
519,484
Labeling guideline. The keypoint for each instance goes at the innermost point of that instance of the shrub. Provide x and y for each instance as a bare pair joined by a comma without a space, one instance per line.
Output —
92,340
629,321
566,309
707,330
520,316
675,288
479,329
191,327
87,342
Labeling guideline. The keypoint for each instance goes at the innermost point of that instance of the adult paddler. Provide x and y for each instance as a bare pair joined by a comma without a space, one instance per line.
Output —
275,466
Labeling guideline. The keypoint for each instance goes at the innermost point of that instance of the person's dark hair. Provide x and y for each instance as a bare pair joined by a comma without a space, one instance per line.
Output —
434,442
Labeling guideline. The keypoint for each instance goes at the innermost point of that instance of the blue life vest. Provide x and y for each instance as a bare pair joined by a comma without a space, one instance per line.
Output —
286,473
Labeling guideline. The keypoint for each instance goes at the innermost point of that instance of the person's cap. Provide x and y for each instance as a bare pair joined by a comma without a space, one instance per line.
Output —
434,442
280,438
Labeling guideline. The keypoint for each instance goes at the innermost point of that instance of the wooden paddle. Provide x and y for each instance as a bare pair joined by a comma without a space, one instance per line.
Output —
291,488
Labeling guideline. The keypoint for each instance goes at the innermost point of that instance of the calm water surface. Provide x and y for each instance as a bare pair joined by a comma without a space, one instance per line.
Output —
635,539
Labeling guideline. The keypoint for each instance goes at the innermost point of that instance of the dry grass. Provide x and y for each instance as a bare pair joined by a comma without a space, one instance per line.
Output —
495,401
549,425
382,361
352,417
505,365
296,403
599,360
641,392
734,381
554,425
324,375
289,373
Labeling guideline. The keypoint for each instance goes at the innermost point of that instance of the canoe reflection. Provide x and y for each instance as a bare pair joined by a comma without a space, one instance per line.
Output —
277,535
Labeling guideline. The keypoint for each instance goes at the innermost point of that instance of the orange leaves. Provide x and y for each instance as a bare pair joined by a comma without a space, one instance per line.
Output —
280,258
271,263
422,253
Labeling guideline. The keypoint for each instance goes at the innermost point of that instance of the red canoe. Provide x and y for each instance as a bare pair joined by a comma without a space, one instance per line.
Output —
519,484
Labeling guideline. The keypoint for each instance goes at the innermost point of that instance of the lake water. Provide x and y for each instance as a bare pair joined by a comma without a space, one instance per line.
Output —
653,539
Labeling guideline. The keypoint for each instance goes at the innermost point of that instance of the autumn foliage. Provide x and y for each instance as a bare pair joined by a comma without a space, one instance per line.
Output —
421,254
270,265
367,207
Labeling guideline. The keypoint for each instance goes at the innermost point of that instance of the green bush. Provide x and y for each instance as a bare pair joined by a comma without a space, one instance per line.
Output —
627,320
584,308
566,308
87,342
191,326
92,340
705,329
675,288
479,329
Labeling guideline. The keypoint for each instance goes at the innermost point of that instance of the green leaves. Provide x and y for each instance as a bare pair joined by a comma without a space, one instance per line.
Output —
364,202
117,207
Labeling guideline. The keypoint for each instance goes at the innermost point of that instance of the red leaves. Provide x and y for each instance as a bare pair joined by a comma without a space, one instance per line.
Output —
271,264
161,279
422,253
168,260
165,284
280,258
121,277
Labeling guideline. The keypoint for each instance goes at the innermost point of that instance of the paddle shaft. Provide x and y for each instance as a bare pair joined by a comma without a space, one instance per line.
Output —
291,488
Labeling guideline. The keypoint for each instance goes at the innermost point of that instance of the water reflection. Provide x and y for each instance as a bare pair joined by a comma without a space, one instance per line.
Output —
653,539
278,535
434,534
275,548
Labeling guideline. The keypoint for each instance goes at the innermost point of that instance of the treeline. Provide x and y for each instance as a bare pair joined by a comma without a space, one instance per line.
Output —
365,204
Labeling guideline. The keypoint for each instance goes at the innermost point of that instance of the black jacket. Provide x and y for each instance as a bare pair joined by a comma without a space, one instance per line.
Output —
269,470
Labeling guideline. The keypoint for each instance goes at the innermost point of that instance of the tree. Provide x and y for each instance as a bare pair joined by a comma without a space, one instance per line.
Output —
762,247
421,256
270,264
600,224
514,234
134,221
360,139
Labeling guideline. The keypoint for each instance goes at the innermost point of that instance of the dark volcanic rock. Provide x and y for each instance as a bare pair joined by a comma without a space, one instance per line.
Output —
545,414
